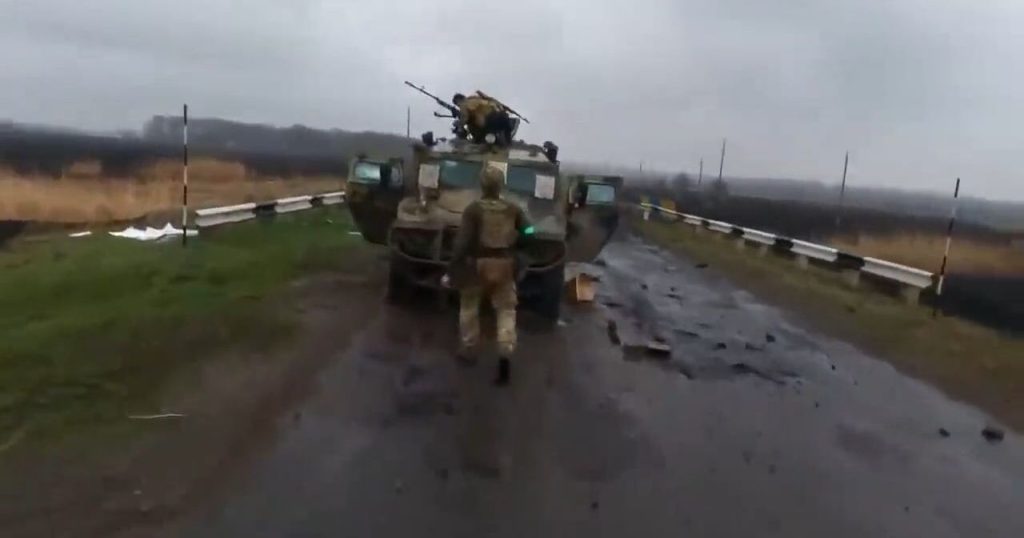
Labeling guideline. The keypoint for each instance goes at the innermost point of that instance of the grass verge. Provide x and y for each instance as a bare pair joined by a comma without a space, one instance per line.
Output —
967,361
90,328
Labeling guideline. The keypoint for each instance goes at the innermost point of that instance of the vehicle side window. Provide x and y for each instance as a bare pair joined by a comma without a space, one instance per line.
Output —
367,173
600,194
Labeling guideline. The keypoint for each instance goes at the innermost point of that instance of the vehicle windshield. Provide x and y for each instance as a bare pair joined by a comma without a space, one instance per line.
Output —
536,184
521,180
365,172
460,174
598,193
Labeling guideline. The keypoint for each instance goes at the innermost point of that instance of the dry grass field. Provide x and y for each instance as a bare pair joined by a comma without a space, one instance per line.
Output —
967,256
84,194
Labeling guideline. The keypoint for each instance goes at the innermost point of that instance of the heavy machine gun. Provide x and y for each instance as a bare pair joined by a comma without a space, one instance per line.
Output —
453,111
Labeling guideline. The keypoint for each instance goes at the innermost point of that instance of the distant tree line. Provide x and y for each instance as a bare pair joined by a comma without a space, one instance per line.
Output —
265,149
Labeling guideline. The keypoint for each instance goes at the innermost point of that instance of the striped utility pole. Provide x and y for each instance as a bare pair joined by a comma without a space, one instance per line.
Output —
949,242
184,176
842,193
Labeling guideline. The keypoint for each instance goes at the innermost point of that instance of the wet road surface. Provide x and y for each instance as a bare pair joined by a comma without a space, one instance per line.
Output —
752,427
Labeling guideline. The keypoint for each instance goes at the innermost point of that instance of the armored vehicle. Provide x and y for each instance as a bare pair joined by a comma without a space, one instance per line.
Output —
595,214
418,217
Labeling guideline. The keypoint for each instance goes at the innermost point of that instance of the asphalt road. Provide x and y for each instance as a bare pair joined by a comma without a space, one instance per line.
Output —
753,427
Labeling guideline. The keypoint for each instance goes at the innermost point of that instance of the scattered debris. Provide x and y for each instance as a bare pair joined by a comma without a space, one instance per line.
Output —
944,432
150,233
675,296
769,337
672,289
562,323
688,334
833,368
701,266
643,286
154,417
659,349
613,332
993,434
817,405
751,347
612,304
721,345
583,288
355,233
80,234
685,370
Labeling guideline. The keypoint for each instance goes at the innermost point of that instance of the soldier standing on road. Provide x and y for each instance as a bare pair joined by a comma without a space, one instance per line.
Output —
480,115
483,265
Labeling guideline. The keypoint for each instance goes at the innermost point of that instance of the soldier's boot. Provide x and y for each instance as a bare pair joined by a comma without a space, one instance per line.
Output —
505,304
504,374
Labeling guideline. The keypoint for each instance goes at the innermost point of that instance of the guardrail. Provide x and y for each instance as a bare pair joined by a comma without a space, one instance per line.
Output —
912,281
215,216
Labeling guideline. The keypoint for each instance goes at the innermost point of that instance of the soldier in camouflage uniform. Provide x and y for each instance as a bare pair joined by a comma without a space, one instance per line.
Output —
484,252
480,115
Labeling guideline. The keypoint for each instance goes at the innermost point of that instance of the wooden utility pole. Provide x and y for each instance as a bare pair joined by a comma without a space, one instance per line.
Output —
721,161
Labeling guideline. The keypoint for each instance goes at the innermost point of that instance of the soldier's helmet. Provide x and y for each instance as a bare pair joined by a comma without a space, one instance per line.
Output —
492,181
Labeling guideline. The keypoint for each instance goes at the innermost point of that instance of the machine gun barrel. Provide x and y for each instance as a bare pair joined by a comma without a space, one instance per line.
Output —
441,103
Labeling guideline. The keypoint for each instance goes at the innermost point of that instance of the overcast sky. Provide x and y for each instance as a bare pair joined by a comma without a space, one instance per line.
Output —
919,91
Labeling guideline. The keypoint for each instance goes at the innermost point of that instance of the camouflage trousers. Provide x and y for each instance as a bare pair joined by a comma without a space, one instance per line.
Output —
495,282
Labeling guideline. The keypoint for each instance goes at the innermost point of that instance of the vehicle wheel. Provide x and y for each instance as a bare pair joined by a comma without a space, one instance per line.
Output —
549,303
399,288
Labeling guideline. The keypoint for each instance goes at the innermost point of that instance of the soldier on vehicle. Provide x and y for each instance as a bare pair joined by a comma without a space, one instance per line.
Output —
483,266
481,116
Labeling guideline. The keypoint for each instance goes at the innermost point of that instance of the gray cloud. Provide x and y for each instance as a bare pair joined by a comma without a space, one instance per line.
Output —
918,90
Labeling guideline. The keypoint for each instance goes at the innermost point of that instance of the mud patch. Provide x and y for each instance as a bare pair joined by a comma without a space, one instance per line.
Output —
421,391
621,448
